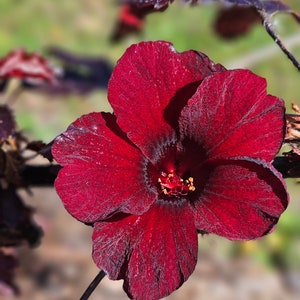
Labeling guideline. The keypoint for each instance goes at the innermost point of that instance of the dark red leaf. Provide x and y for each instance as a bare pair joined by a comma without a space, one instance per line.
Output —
131,19
8,264
234,21
3,84
11,162
269,7
47,151
256,3
16,224
19,63
7,122
80,74
157,4
288,165
273,7
39,175
35,146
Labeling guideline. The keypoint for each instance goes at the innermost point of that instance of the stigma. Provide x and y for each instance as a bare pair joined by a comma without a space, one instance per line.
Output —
173,185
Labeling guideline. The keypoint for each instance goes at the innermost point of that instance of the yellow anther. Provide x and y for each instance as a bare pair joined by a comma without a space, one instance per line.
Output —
171,184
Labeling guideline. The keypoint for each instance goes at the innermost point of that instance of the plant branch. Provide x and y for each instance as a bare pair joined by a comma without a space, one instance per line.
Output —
268,26
93,285
40,175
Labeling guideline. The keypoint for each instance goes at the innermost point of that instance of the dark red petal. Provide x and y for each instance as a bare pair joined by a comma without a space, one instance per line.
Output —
154,253
231,115
242,199
20,64
103,173
143,84
132,18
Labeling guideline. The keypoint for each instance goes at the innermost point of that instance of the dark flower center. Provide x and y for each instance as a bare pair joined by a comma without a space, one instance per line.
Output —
173,185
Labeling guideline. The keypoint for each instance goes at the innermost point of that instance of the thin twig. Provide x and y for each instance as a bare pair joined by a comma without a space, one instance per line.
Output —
93,285
268,26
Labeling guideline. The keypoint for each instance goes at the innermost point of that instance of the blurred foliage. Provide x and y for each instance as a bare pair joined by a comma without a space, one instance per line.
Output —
85,27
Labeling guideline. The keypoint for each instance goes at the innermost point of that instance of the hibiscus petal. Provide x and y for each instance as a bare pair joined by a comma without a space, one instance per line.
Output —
143,84
242,199
231,115
154,253
103,173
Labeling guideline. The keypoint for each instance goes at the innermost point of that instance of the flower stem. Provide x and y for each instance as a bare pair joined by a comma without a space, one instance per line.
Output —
93,285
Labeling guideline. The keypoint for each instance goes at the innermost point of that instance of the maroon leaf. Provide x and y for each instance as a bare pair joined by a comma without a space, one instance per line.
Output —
8,264
35,146
47,151
157,4
19,63
131,19
270,7
234,21
39,175
80,74
3,84
7,122
288,165
16,224
11,162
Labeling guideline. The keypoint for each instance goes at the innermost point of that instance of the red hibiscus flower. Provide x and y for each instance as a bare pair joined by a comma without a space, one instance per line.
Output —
189,147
